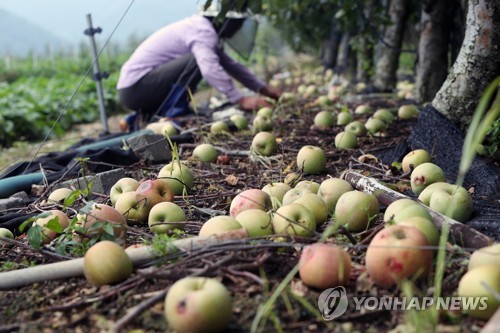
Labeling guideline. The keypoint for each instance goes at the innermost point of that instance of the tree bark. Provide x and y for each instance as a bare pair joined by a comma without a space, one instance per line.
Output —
390,47
432,67
477,64
365,60
346,60
331,47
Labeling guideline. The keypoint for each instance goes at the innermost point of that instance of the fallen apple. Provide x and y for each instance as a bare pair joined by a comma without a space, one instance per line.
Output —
330,191
6,233
198,305
344,118
324,120
104,214
309,184
168,129
356,210
346,140
397,206
415,158
59,195
264,143
294,219
450,200
356,127
427,227
123,185
277,190
177,176
412,211
205,152
219,225
219,127
266,112
407,112
363,109
316,205
324,266
261,123
311,159
293,194
397,253
375,126
134,206
424,175
250,199
287,97
488,255
240,121
385,115
155,191
257,222
292,179
106,263
44,219
162,216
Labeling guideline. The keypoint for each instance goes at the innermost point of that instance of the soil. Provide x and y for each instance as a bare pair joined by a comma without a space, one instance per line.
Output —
251,270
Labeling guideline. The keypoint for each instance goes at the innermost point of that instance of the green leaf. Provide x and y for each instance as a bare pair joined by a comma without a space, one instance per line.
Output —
54,225
35,236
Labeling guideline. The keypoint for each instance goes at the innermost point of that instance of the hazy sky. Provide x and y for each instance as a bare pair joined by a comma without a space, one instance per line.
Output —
67,18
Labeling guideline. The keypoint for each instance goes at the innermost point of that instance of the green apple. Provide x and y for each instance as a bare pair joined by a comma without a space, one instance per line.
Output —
363,109
277,190
123,185
262,123
324,100
424,175
45,218
310,91
264,143
346,140
450,200
218,225
59,195
482,281
356,127
250,199
412,211
293,194
375,126
427,227
324,266
287,97
310,184
240,121
330,191
385,115
344,118
294,219
324,120
356,210
266,112
155,191
397,253
106,263
134,206
397,206
407,112
198,305
177,176
168,129
4,232
488,255
257,222
219,127
415,158
162,216
316,205
205,152
311,159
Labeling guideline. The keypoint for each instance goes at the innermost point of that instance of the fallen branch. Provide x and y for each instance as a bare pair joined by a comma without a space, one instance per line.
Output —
139,256
463,235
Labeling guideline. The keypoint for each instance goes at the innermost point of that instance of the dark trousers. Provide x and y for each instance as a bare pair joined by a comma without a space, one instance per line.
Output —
151,92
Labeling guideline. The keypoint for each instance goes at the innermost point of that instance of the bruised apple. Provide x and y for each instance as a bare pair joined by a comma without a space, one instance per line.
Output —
415,158
250,199
424,175
155,191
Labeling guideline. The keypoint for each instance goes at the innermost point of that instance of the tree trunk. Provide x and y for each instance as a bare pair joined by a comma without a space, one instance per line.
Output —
365,60
478,63
390,47
432,67
457,11
346,60
331,47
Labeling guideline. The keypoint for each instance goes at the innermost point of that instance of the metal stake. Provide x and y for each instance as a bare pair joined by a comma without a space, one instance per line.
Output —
98,76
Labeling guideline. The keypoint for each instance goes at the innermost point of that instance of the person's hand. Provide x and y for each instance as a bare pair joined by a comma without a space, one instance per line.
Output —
251,103
270,91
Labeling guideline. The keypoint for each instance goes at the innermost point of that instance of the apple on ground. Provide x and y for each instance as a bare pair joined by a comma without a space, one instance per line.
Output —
412,211
256,222
407,112
162,216
311,159
415,158
488,255
292,178
198,305
324,266
168,129
59,195
219,127
287,97
330,191
6,233
134,206
106,263
385,115
294,219
324,120
363,109
346,140
177,176
250,199
277,190
218,225
262,123
104,214
356,210
155,191
45,218
397,206
316,205
482,281
264,143
427,227
293,194
448,199
397,253
424,175
266,112
205,152
309,184
375,126
344,118
356,127
240,121
123,185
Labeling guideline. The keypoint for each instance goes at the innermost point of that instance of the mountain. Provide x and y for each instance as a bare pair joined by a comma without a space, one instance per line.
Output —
20,37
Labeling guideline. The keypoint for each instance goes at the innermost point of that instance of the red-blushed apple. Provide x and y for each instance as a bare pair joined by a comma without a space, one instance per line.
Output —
106,263
250,199
427,227
397,253
450,200
397,206
256,222
294,219
45,218
104,214
356,210
123,185
482,281
407,112
424,175
346,140
415,158
240,121
155,191
293,194
363,109
205,152
311,159
385,115
330,191
177,176
4,232
488,255
162,216
277,190
198,305
59,195
356,127
375,126
309,184
324,266
344,118
266,112
218,225
134,206
219,127
316,205
264,143
262,123
324,120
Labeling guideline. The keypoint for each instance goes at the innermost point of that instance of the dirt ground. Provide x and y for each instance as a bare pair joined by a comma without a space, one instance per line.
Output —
251,270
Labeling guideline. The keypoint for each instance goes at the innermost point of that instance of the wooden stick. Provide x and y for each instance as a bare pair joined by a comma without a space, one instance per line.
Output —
74,267
464,235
